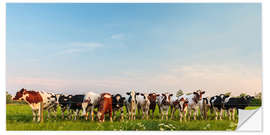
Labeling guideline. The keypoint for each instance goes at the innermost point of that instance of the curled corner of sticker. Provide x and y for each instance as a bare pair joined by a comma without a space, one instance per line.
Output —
249,120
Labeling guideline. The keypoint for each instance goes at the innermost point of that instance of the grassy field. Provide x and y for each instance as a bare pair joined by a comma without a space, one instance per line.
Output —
19,117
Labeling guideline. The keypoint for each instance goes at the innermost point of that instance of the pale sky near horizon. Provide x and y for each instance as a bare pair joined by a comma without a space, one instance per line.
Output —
75,48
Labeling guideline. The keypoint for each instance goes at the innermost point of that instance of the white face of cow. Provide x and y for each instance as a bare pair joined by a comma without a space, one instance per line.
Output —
166,98
146,97
133,96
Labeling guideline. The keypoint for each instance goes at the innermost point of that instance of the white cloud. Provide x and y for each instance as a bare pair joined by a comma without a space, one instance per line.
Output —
78,47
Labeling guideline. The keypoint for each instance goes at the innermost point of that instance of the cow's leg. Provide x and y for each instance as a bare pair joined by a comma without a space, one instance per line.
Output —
55,112
167,112
49,114
216,113
180,115
63,112
135,113
92,112
189,114
233,114
122,113
34,115
114,114
147,113
161,111
153,112
229,114
220,114
110,112
195,114
172,112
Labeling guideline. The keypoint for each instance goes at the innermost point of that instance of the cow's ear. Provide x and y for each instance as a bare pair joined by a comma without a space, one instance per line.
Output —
163,94
123,98
137,93
203,92
157,94
128,93
195,93
171,94
142,94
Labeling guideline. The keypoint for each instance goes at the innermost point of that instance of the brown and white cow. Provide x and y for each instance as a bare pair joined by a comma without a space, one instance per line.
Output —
143,103
181,104
164,103
153,102
105,106
193,102
35,98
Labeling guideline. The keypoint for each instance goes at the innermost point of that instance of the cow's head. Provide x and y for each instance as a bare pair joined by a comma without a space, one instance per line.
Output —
118,100
248,98
198,95
20,94
153,97
146,97
183,104
166,98
223,97
132,96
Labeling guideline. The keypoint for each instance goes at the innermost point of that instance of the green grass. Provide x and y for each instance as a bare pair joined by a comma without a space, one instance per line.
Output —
252,107
19,117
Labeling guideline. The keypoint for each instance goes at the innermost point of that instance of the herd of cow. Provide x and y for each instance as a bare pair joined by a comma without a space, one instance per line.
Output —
134,102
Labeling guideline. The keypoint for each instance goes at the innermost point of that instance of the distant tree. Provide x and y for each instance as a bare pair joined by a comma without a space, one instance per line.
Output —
243,94
179,93
228,94
258,95
8,98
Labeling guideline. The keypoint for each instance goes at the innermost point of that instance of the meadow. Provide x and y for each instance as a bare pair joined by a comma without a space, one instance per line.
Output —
19,117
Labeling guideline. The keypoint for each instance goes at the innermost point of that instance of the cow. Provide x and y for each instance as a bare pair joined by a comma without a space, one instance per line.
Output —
230,104
164,102
131,104
118,103
181,104
105,106
63,102
75,105
90,102
143,104
153,102
193,102
35,98
217,104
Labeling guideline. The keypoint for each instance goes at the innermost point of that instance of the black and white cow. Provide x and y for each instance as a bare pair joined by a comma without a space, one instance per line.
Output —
75,105
164,103
118,103
144,105
217,105
63,101
131,104
230,104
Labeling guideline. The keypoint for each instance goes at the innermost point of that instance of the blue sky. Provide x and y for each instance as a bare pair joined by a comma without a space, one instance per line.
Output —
74,48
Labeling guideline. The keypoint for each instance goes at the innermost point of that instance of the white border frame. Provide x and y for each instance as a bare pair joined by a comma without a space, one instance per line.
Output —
266,64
